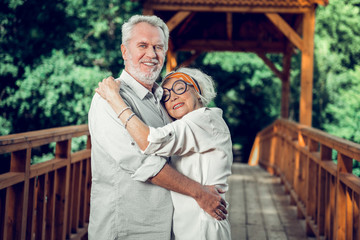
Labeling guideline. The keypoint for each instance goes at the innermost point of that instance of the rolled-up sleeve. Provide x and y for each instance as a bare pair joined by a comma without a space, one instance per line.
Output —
177,138
151,167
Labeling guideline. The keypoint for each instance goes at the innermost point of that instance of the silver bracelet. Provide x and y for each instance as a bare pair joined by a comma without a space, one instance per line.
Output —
121,112
127,120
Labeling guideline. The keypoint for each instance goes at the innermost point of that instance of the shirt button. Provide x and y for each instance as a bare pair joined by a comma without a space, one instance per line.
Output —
170,134
132,143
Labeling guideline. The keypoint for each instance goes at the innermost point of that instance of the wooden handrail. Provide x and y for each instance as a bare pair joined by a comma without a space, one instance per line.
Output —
48,200
326,193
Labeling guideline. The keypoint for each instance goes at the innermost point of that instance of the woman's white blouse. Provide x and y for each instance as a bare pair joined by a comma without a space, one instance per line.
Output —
203,141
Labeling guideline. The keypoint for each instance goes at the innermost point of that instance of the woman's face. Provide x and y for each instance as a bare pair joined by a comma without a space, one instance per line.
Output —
179,105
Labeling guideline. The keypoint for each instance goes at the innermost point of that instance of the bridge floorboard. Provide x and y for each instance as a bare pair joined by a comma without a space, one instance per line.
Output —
259,208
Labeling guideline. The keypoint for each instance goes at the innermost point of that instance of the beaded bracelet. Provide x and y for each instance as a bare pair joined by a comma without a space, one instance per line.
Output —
121,112
127,120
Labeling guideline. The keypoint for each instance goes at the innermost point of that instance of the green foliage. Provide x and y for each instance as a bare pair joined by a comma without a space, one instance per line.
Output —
337,33
52,54
56,93
343,111
5,126
337,55
42,158
97,39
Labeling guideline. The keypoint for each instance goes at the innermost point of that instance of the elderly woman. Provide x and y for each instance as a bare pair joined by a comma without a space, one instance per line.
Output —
199,135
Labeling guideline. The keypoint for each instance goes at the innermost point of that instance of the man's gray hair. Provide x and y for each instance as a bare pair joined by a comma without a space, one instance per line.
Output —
206,84
155,21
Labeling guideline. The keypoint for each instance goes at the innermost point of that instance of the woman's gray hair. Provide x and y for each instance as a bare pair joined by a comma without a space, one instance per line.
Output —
206,84
155,21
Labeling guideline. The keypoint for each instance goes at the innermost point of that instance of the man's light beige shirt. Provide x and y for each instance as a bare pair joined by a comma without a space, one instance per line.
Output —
123,204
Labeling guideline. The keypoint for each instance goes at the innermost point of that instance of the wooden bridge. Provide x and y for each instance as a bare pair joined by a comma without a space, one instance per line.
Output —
302,194
291,189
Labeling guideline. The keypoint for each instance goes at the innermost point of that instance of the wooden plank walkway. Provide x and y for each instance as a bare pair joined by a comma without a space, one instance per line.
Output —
259,208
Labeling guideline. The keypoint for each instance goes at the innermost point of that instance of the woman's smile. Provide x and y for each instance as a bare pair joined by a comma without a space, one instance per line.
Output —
178,105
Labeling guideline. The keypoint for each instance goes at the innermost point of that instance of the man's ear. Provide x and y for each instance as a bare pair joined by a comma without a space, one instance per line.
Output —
123,52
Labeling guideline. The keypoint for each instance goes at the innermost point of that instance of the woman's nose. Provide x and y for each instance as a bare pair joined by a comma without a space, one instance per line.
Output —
174,96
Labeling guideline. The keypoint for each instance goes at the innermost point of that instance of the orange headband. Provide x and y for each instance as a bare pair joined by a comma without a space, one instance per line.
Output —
186,78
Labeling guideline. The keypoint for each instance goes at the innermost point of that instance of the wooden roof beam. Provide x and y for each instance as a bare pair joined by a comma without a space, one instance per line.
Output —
321,2
286,29
177,19
226,45
239,9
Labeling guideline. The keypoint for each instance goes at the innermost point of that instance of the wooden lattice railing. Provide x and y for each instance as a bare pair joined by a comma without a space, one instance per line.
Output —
326,193
48,200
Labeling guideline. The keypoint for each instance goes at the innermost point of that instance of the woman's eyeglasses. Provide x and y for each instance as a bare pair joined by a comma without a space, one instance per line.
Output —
178,87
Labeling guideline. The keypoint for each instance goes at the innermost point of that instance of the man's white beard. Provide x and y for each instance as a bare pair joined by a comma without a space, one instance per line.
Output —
147,78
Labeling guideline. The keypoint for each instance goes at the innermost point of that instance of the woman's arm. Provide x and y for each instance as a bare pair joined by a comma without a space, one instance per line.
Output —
139,131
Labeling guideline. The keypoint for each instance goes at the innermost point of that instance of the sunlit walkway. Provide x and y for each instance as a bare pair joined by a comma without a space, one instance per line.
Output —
259,207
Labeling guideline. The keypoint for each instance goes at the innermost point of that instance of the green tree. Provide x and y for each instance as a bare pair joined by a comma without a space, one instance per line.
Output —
41,40
343,111
337,55
56,93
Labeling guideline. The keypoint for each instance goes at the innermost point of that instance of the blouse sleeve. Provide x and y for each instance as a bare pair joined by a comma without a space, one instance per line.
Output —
179,137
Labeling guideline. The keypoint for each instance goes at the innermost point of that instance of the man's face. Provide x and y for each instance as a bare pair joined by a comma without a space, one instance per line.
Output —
144,53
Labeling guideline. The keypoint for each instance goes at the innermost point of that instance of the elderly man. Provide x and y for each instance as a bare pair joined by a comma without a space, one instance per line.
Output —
129,194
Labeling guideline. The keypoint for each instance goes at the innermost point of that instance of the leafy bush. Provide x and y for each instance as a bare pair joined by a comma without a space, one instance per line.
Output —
56,93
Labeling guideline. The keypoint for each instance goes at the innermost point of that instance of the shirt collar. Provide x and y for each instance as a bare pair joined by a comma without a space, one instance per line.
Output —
139,89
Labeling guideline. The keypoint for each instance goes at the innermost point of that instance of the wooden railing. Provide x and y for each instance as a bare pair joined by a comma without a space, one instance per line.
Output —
48,200
326,193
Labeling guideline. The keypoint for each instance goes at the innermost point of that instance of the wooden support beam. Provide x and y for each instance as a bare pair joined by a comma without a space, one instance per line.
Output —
177,19
284,76
229,25
186,25
286,29
307,67
270,64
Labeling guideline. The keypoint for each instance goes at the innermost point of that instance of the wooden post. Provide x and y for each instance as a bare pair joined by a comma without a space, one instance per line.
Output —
323,203
307,62
312,187
17,196
285,80
344,166
171,58
62,189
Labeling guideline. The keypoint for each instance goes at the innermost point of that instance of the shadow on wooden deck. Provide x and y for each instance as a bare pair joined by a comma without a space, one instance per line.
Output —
260,208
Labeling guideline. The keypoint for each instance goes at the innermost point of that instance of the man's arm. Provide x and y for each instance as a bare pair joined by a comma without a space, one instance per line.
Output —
207,197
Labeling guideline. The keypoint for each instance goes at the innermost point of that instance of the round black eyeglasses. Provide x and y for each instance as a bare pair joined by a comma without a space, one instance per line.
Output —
178,87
